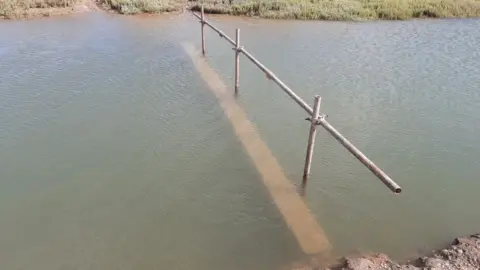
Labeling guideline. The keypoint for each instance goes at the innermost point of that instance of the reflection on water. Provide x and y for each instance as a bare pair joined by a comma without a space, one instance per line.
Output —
114,155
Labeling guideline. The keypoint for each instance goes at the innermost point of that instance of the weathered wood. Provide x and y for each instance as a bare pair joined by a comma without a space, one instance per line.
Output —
203,31
361,157
237,61
292,207
311,141
269,74
220,32
282,85
339,137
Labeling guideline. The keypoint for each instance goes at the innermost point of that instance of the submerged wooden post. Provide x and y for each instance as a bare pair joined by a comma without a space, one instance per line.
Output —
237,60
203,30
311,141
320,120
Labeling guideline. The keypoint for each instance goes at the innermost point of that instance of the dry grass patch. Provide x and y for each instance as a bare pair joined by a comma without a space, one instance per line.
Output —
12,9
345,9
144,6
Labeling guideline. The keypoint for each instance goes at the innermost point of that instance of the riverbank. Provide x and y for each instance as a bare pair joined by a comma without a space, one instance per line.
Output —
347,10
21,9
462,254
342,10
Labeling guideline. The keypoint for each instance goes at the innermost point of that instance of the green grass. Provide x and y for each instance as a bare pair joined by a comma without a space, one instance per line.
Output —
276,9
12,9
144,6
345,9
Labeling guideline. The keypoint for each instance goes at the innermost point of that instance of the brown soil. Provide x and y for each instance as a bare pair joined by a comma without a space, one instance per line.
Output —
462,254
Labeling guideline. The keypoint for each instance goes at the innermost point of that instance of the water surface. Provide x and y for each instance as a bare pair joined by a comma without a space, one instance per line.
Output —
114,155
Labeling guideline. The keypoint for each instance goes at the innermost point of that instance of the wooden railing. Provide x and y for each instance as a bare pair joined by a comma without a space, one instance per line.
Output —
315,117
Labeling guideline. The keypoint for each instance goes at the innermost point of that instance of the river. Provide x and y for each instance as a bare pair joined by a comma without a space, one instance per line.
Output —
115,155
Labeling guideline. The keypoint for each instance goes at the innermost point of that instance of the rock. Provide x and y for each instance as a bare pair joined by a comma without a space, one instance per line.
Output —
463,254
434,263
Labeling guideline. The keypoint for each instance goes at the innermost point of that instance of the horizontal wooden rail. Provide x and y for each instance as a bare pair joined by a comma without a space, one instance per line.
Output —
220,32
360,156
321,121
282,85
269,74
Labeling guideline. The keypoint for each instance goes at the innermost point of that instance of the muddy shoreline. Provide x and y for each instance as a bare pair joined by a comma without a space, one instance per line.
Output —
462,254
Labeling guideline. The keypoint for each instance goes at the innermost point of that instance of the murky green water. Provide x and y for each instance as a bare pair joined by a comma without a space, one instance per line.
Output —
115,155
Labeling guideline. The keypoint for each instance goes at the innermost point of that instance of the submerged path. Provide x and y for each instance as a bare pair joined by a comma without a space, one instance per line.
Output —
296,214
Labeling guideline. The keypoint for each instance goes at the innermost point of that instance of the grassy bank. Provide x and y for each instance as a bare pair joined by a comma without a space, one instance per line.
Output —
273,9
144,6
346,9
12,9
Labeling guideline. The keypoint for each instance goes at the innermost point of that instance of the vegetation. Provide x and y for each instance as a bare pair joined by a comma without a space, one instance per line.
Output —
144,6
19,8
275,9
345,9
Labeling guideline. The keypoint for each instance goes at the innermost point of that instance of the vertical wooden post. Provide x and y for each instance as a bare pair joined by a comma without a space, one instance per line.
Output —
311,141
237,60
203,31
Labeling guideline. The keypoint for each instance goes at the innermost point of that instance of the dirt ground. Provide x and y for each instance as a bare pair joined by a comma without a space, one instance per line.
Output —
462,254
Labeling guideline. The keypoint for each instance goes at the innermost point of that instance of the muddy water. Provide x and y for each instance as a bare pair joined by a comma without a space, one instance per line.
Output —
115,155
283,192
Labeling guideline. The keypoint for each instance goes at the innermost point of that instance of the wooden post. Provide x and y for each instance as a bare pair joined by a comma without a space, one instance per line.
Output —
311,141
237,61
203,31
320,121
